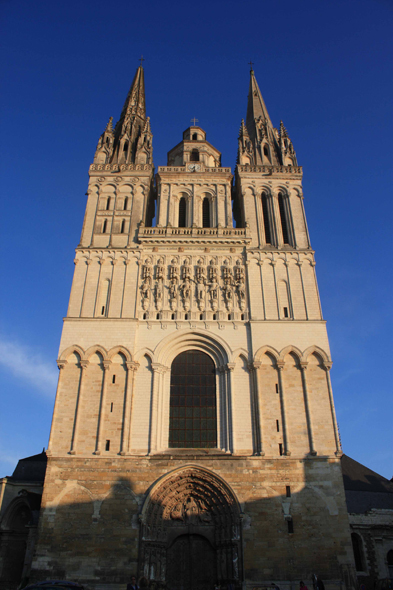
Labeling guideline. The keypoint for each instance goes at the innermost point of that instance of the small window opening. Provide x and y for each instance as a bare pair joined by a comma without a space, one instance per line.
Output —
288,491
108,203
194,156
107,445
206,213
276,387
242,316
194,136
280,448
214,316
182,212
125,148
158,316
229,316
125,204
201,316
284,224
103,310
265,211
144,316
104,226
186,316
114,379
285,312
278,425
290,526
111,406
107,140
123,223
173,316
265,151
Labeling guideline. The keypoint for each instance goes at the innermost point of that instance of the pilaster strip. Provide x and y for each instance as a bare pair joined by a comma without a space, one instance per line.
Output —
303,369
280,367
75,432
327,366
101,413
61,364
126,431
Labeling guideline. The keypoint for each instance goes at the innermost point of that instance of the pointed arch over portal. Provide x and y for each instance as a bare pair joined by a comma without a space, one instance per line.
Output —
191,513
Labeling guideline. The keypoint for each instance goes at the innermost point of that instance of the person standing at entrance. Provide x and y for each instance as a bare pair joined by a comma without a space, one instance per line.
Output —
133,585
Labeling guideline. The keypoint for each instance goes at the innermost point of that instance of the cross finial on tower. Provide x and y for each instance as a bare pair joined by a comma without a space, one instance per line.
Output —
142,59
250,63
194,120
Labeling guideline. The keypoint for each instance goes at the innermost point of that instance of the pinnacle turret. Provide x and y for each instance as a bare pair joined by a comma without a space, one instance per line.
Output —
131,140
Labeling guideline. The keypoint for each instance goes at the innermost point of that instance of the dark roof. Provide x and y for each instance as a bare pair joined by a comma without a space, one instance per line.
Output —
364,489
31,468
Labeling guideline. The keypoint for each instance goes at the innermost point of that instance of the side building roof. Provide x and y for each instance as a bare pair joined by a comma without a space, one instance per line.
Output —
365,490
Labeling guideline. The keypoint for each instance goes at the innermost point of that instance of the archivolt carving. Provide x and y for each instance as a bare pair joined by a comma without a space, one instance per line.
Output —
191,501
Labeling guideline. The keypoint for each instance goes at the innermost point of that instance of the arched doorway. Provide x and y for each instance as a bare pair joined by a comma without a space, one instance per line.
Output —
190,532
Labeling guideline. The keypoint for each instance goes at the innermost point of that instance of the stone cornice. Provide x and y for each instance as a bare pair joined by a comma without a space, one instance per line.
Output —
121,168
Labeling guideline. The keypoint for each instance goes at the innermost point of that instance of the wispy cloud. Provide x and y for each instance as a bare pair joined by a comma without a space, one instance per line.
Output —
28,365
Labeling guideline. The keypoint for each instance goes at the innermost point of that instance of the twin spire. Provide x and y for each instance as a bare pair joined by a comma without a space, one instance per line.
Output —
261,144
130,142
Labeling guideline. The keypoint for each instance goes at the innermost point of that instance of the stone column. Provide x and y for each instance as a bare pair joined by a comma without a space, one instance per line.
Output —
303,368
256,408
126,431
84,365
228,382
300,264
61,365
280,367
327,366
158,370
101,414
222,434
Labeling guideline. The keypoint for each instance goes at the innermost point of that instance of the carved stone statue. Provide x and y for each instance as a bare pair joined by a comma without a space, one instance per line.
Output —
145,294
200,272
160,270
186,293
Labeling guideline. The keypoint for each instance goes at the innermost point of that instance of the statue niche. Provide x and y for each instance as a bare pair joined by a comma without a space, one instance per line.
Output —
191,518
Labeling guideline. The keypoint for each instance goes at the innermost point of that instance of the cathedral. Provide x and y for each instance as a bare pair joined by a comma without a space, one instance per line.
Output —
194,440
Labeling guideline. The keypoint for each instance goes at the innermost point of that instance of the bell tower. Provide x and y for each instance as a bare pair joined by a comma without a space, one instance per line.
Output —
194,418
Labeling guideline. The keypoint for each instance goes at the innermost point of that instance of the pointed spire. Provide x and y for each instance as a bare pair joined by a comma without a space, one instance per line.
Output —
135,102
109,127
288,154
256,107
263,136
132,125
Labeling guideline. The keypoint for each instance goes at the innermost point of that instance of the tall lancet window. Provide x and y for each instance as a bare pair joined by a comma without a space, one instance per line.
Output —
206,212
192,418
266,219
182,212
284,219
194,157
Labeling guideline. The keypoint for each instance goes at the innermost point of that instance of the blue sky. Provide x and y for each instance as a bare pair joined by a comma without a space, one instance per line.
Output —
324,68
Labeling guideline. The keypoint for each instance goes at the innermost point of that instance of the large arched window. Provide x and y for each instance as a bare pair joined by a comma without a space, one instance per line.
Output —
358,553
284,219
193,421
206,212
182,212
194,156
389,559
266,219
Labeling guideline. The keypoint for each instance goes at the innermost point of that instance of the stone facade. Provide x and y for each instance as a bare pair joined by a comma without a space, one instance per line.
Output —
261,499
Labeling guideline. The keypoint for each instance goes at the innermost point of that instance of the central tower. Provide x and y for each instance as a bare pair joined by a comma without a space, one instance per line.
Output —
194,416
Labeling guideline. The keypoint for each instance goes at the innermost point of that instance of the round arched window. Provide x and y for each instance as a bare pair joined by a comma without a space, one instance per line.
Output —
193,421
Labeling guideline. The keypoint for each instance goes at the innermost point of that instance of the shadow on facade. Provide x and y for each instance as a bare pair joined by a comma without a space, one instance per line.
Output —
189,530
